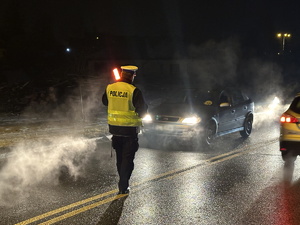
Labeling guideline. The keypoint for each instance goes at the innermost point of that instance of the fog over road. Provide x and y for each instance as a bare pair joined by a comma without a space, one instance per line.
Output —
236,182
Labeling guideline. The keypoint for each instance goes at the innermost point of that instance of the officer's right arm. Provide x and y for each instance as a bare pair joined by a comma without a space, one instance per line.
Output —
104,99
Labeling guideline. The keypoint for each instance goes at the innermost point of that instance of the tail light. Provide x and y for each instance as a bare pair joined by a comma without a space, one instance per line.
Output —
285,118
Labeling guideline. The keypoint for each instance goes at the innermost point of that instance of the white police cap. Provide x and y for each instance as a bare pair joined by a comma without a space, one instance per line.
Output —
130,68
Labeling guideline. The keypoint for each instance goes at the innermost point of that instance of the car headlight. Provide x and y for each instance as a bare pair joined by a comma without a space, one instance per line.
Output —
147,118
191,120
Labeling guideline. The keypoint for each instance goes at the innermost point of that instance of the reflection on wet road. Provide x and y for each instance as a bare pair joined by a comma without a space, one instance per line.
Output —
235,182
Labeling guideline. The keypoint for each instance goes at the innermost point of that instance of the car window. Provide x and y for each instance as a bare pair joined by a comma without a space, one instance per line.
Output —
177,96
237,97
245,96
295,106
224,98
206,98
191,96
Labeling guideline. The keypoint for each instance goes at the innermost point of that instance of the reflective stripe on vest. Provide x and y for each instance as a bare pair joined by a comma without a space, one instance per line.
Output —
121,111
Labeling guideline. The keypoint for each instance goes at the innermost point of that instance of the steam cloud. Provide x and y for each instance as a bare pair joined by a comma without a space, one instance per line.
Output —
35,162
41,161
262,79
216,62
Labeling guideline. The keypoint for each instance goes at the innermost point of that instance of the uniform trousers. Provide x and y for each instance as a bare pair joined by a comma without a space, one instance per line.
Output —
125,148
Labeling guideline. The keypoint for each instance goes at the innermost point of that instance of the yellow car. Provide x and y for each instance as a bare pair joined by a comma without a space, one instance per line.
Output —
290,131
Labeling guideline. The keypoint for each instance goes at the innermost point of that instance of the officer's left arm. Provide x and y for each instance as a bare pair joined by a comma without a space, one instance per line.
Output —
139,103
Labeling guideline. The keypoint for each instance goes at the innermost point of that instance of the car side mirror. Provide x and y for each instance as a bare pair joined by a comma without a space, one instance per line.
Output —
224,104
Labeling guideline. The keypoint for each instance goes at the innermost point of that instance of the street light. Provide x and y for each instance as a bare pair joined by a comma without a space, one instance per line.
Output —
283,36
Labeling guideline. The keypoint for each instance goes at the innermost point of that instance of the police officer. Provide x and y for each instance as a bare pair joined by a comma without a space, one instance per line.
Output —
126,107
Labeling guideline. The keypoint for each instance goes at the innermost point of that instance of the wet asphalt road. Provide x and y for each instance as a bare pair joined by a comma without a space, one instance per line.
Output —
236,182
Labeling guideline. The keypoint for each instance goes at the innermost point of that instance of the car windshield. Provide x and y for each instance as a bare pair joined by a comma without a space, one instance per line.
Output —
191,96
295,106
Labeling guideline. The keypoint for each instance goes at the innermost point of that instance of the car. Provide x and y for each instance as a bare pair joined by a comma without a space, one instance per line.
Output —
200,116
289,140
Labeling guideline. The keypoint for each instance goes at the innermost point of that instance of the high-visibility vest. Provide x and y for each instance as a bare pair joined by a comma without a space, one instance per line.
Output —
121,111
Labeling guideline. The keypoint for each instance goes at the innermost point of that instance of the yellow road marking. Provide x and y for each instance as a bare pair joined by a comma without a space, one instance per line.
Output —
83,209
207,162
50,213
222,157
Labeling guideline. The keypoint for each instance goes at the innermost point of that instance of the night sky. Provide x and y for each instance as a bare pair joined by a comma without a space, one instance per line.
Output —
184,23
233,40
190,20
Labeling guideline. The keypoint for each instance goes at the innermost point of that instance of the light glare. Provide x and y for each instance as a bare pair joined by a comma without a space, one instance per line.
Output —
116,73
147,118
191,120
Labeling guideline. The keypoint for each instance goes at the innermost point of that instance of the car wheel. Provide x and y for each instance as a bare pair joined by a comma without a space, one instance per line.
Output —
247,127
210,133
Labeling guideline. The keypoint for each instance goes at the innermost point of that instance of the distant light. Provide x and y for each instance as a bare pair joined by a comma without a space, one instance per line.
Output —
147,118
68,50
97,38
276,101
283,35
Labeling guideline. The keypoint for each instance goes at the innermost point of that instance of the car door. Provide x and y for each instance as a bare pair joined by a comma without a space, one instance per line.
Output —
241,107
226,112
